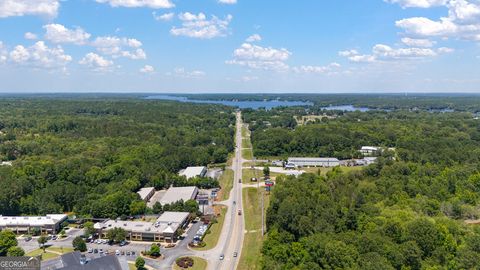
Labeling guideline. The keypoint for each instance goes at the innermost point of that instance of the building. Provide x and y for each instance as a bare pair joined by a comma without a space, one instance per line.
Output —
49,224
192,172
313,162
164,229
6,163
78,261
146,193
370,150
175,194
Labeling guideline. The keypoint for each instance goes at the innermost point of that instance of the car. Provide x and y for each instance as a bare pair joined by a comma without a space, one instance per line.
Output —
234,202
133,253
222,257
95,251
128,253
239,180
239,212
117,252
123,243
100,251
235,254
122,252
104,241
90,250
28,238
54,237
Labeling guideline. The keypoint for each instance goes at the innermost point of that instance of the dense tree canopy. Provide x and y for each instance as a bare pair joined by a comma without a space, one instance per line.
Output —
91,156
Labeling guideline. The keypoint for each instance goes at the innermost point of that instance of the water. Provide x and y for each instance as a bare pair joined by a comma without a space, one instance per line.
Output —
267,104
346,108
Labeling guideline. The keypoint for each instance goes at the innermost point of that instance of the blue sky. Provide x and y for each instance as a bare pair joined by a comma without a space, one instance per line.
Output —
239,46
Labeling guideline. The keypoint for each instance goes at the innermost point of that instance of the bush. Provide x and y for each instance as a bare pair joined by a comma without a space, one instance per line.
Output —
140,263
184,262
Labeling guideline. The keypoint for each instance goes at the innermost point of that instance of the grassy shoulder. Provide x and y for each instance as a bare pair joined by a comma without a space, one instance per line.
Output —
252,245
213,234
226,182
198,264
247,154
50,252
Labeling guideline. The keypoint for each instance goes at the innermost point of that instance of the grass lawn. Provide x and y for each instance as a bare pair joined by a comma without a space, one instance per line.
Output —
226,182
45,256
246,143
247,154
247,175
131,266
323,171
251,253
198,264
60,250
245,132
211,239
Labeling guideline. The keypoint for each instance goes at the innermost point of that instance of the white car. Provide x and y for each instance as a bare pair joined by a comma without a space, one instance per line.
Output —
117,252
90,250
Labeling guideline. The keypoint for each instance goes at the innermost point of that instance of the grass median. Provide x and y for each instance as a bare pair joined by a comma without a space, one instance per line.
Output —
198,264
252,244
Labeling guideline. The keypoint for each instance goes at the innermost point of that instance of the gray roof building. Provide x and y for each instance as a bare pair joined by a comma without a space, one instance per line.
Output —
78,261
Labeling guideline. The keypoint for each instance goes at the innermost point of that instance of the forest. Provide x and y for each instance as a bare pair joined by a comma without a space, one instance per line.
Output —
91,155
407,211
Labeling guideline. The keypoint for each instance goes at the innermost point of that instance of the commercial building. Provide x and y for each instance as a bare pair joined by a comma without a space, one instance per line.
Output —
49,224
370,150
164,229
175,194
146,193
313,162
192,172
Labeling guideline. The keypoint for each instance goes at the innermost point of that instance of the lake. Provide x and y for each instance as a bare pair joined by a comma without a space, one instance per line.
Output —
267,104
346,108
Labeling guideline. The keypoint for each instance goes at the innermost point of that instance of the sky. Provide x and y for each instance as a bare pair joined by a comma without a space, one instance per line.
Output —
240,46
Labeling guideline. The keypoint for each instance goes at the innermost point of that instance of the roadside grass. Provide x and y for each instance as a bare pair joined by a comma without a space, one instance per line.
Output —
245,132
247,175
226,182
246,143
131,266
247,154
211,239
198,264
251,253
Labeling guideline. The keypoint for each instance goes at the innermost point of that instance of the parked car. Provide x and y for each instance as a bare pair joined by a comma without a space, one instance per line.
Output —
133,253
100,251
54,237
123,243
128,253
28,238
117,252
95,251
90,250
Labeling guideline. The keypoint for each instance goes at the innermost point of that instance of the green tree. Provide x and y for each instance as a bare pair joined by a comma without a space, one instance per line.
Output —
266,171
42,240
7,240
79,244
116,235
15,252
157,208
425,233
140,263
88,228
155,250
137,208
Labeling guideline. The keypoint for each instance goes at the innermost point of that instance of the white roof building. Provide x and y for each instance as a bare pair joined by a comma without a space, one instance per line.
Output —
175,194
313,162
146,193
35,221
192,172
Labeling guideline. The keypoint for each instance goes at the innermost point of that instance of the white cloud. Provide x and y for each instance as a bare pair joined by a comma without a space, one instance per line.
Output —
96,62
163,17
198,26
58,33
147,69
249,78
31,36
253,38
382,53
257,57
228,2
120,47
417,3
139,3
183,73
413,42
462,22
39,56
332,67
47,8
3,53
